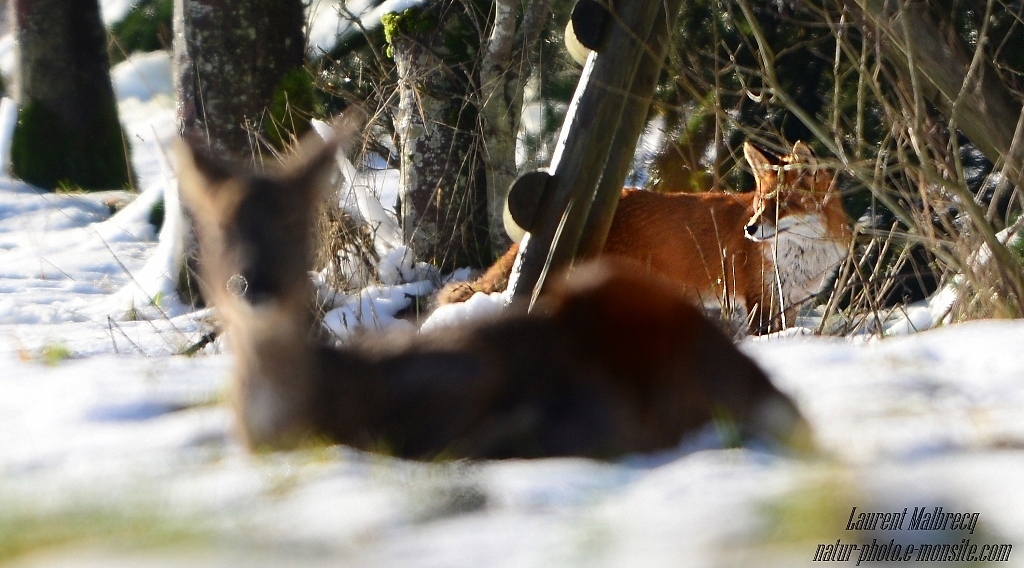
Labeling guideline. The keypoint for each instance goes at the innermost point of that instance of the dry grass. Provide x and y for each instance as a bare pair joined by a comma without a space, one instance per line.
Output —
344,249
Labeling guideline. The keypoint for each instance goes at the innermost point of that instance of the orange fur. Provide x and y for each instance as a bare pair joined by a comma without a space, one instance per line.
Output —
705,241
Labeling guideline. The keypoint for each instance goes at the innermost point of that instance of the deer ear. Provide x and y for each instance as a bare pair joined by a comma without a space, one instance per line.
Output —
759,163
192,154
310,171
199,175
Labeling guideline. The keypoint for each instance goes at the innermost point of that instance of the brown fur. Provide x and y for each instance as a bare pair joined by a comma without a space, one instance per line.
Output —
700,241
613,361
494,279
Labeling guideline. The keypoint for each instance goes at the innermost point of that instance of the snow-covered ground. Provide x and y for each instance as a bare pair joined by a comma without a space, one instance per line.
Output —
116,450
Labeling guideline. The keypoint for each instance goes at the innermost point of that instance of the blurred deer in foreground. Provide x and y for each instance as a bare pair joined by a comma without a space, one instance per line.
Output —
613,361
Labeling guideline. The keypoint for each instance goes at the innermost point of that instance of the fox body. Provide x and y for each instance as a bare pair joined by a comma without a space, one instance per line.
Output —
764,252
613,361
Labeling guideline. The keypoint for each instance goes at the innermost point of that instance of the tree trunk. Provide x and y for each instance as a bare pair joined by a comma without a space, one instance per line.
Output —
442,181
238,63
504,69
68,130
239,71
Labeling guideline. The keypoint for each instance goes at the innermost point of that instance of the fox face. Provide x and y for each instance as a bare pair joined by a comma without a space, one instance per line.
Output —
796,198
799,221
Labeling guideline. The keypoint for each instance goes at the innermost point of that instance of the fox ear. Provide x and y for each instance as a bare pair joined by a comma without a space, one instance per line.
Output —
802,153
759,163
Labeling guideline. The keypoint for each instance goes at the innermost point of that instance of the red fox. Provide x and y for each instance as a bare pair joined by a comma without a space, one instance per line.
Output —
728,249
613,361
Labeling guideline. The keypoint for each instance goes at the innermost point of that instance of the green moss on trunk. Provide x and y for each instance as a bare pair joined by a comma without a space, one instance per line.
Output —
412,21
48,153
292,107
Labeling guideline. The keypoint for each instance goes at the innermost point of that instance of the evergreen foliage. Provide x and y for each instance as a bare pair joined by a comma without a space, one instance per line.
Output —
157,214
146,27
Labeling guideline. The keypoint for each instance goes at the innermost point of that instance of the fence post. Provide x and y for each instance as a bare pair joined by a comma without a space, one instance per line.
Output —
596,143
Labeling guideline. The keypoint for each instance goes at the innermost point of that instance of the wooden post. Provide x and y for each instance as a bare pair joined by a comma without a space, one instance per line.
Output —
631,125
607,114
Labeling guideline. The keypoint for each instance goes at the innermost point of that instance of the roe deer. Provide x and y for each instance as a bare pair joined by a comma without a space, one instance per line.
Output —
734,250
613,361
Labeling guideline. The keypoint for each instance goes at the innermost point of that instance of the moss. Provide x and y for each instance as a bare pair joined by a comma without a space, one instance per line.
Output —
390,24
408,22
48,153
461,42
293,104
147,27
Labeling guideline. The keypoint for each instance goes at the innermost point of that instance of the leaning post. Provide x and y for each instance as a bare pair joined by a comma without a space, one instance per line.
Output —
597,141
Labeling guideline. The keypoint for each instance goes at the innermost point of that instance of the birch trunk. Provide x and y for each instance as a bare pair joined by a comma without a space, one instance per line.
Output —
442,176
504,71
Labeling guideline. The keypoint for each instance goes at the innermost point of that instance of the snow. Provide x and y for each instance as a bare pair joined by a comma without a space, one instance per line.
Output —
118,451
479,305
335,21
113,11
8,120
374,307
145,76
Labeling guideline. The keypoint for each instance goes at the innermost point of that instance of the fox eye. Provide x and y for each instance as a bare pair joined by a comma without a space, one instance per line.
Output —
237,285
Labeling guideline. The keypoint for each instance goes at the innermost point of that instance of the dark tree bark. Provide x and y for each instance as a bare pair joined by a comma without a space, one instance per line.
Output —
236,61
68,130
443,184
239,66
